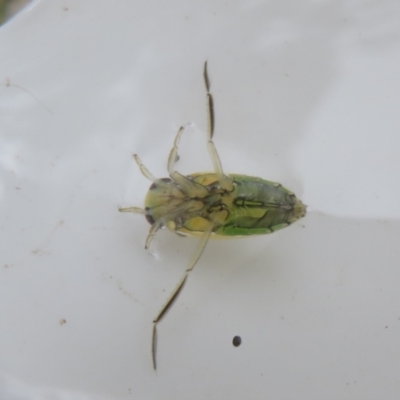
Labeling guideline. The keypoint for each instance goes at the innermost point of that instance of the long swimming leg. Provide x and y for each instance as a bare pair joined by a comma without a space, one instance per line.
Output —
173,296
224,181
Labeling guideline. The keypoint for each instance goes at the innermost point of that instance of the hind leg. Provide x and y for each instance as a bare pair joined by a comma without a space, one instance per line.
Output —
224,181
178,288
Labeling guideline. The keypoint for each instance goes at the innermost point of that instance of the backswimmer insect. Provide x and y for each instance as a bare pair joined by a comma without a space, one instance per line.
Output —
211,204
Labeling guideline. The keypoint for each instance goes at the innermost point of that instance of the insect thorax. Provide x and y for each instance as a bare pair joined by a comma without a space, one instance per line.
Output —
254,206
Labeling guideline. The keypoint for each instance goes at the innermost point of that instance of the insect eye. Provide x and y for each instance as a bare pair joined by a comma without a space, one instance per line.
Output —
149,218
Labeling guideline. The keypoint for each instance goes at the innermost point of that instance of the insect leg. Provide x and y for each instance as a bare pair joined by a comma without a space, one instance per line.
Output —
210,104
152,232
189,187
173,155
135,210
146,173
154,228
173,296
224,181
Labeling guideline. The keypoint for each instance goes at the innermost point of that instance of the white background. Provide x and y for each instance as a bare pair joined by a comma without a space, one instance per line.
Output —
306,94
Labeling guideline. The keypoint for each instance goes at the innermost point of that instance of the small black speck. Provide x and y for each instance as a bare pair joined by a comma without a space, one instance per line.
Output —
237,341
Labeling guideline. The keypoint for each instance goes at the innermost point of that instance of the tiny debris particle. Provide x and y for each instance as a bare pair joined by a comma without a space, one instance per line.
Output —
237,341
63,321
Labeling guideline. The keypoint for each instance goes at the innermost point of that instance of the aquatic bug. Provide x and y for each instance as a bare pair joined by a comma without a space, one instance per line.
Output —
211,204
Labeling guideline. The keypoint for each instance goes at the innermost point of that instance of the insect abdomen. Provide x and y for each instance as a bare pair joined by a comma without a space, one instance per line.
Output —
259,207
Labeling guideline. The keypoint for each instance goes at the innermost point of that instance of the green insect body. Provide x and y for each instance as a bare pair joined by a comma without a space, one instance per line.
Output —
212,205
254,206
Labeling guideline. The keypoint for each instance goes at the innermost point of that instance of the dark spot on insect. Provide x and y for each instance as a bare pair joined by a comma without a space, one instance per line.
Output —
154,184
237,341
149,218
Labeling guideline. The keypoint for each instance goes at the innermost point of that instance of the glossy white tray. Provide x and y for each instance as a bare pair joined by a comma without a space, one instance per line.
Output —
306,94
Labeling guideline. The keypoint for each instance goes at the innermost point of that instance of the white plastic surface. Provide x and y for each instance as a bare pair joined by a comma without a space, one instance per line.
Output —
306,94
